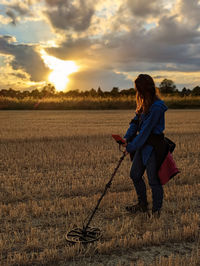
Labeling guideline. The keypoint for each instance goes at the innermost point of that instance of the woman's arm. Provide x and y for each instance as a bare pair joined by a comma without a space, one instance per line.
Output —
133,128
148,124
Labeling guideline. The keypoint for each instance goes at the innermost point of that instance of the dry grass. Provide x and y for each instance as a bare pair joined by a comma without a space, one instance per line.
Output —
53,168
90,103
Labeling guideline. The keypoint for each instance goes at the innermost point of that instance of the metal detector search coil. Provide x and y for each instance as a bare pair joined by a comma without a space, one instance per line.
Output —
89,234
78,235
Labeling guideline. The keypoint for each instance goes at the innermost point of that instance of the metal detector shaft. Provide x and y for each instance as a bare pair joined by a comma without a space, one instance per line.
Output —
105,190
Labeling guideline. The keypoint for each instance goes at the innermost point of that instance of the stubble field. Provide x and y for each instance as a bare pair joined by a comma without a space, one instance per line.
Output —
53,168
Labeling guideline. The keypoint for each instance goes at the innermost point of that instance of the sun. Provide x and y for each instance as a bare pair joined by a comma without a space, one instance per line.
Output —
60,70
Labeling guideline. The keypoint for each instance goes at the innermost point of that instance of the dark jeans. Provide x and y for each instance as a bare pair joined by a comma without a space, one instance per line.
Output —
136,174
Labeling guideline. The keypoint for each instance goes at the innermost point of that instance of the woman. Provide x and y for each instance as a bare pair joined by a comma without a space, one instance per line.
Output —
149,119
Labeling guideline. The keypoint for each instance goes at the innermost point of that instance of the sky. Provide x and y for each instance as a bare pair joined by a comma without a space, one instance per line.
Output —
84,44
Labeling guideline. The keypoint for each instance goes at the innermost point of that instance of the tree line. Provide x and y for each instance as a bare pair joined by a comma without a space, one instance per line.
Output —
166,87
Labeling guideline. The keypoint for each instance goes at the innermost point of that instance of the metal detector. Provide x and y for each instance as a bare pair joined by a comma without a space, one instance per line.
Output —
88,234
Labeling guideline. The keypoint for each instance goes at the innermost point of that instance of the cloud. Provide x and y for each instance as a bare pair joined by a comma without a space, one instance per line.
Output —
19,75
170,46
70,15
159,77
143,8
17,10
20,8
170,42
24,57
4,20
189,11
111,37
106,79
12,15
171,31
71,49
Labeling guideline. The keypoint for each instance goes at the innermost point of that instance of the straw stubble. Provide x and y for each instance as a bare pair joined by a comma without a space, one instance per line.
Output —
53,168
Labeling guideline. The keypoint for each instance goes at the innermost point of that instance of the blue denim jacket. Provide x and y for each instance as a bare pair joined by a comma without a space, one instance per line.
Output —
152,122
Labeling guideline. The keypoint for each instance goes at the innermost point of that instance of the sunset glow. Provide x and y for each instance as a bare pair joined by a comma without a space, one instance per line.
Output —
60,70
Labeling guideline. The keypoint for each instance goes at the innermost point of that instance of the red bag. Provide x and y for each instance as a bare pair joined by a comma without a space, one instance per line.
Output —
168,169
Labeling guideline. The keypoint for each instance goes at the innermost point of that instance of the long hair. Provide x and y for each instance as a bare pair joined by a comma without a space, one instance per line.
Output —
146,93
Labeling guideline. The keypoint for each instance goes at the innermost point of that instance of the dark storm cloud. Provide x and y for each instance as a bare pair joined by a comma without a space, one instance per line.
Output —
21,10
71,49
106,79
141,36
191,10
17,10
66,15
170,31
171,46
164,47
55,2
143,8
11,15
26,58
19,75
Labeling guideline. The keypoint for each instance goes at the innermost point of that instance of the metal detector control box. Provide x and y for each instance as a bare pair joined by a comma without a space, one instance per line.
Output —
119,139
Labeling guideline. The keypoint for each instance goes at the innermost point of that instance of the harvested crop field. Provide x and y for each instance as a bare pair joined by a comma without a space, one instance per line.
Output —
53,168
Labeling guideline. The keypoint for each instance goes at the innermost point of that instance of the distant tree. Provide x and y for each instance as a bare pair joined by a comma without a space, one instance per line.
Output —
73,93
4,93
86,93
131,91
185,92
92,92
24,94
115,91
48,90
128,92
99,92
107,94
196,91
167,86
35,93
60,94
12,93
